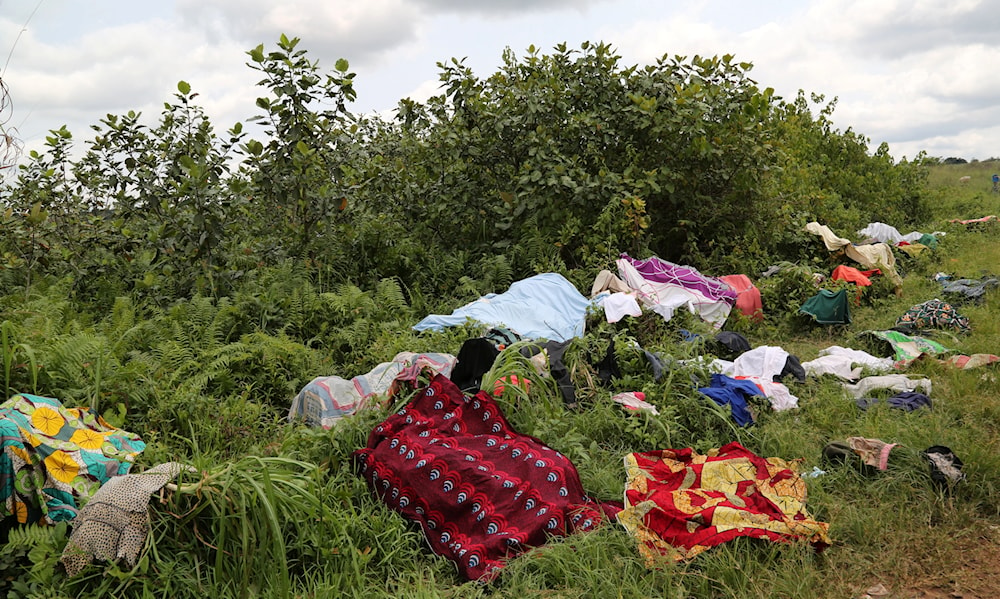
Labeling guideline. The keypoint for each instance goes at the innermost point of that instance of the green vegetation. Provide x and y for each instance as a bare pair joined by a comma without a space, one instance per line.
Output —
186,284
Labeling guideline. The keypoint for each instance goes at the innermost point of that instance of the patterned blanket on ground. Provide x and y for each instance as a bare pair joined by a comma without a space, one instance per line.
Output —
481,492
679,503
55,458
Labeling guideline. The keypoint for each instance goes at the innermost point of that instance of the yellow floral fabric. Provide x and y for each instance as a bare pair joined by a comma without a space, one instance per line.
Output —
53,458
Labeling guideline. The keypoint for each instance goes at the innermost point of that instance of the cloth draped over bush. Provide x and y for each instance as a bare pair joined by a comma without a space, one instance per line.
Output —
545,306
663,287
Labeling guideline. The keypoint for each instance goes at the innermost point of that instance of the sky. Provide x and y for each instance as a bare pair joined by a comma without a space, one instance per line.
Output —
916,74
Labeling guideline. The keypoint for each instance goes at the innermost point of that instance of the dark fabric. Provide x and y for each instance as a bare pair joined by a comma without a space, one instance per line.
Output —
969,289
555,350
729,345
607,368
474,360
480,492
792,368
906,400
656,363
946,468
733,392
828,307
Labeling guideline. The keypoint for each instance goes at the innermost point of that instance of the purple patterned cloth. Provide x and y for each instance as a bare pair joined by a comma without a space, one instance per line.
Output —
661,271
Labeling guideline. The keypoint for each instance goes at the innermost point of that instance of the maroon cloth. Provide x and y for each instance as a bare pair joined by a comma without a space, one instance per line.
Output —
481,492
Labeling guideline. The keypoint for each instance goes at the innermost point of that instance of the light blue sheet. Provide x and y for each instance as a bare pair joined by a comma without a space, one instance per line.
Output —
544,306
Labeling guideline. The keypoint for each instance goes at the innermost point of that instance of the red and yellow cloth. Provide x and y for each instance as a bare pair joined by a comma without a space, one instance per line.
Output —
679,503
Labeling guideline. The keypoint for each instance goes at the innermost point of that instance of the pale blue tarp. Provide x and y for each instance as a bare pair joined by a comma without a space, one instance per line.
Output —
544,306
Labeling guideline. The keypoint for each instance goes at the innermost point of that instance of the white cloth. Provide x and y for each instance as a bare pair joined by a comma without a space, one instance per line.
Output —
839,366
894,382
765,361
888,234
619,305
861,358
778,394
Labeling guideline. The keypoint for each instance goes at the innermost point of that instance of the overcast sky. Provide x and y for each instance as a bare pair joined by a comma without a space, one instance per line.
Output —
916,74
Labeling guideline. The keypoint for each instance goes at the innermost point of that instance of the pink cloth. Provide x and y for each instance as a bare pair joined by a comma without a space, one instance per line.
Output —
748,296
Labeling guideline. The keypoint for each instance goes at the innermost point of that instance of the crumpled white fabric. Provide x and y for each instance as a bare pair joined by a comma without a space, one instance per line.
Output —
894,382
765,361
839,366
778,394
619,305
888,234
664,298
863,359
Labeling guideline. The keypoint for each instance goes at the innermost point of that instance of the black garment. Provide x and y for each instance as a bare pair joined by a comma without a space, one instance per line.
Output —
557,369
607,368
728,345
474,360
946,468
792,368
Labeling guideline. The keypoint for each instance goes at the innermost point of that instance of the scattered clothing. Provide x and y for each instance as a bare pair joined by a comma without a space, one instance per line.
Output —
876,255
53,459
860,358
888,234
544,306
838,366
481,492
619,305
635,401
851,275
554,352
607,281
679,503
475,358
973,361
934,314
828,307
663,287
748,300
893,382
327,399
874,452
974,221
966,290
728,344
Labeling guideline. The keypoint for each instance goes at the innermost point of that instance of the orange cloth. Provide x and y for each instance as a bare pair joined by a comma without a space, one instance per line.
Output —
850,274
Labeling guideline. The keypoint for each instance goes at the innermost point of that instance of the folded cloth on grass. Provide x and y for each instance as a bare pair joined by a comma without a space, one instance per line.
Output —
55,458
933,314
481,492
679,503
544,306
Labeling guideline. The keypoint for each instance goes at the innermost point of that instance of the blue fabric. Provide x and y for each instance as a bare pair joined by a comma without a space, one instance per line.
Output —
725,390
544,306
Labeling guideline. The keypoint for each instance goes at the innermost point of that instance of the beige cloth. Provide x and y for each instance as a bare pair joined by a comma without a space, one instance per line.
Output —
608,281
114,523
